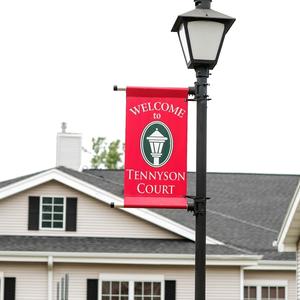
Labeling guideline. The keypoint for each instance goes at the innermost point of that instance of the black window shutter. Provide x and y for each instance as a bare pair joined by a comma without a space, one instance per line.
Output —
92,289
71,219
9,288
170,290
33,213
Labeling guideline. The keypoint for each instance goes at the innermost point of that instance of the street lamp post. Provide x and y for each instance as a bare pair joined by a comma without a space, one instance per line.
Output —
201,33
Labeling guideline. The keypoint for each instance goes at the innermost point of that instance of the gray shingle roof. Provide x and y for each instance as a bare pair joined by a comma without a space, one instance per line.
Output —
245,210
105,245
15,180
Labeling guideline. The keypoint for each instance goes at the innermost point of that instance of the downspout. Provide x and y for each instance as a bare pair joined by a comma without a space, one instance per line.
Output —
242,283
50,277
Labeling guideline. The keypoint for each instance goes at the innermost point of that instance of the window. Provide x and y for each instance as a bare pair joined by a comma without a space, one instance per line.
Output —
265,290
147,290
272,292
131,287
115,290
52,213
250,293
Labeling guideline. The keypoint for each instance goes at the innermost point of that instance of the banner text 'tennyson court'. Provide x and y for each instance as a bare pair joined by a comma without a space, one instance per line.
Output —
155,175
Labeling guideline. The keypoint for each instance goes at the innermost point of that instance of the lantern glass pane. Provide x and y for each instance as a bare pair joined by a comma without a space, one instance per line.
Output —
205,38
184,44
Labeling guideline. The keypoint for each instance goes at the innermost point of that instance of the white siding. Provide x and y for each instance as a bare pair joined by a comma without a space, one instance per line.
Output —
289,276
94,218
31,279
223,283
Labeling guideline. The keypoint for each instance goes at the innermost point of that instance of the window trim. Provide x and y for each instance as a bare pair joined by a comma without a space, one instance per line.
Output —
1,285
64,214
131,278
267,283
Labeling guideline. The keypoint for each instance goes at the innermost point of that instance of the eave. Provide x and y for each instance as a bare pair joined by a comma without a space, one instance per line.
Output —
125,258
290,230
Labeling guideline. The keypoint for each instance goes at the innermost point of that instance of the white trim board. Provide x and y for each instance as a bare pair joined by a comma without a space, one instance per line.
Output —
104,196
287,223
270,265
262,282
1,285
128,276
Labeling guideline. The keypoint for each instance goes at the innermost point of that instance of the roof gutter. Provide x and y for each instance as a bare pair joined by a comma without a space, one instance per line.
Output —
128,258
269,265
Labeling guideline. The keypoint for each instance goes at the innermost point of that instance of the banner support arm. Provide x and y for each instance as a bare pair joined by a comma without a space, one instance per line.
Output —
122,89
115,205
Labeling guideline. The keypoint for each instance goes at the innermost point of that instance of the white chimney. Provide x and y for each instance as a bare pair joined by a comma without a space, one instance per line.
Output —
68,149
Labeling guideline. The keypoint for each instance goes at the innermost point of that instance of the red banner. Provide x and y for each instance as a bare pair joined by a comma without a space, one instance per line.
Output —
156,148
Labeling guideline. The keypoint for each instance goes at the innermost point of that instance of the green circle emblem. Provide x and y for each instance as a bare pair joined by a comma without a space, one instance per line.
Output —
156,144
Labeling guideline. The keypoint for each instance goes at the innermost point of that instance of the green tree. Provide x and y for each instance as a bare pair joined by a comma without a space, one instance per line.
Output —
108,156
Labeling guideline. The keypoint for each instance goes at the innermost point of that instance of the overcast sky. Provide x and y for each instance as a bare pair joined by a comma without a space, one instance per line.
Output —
60,59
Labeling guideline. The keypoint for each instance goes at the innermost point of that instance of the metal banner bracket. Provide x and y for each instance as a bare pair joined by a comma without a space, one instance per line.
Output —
198,207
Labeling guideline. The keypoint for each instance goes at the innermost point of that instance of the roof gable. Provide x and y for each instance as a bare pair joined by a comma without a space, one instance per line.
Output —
89,185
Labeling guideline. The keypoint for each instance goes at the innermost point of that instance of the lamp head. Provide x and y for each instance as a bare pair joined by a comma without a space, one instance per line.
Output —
201,33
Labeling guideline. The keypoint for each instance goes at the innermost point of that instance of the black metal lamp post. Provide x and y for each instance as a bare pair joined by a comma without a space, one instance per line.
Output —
201,33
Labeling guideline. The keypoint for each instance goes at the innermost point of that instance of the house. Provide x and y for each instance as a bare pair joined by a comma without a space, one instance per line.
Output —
60,240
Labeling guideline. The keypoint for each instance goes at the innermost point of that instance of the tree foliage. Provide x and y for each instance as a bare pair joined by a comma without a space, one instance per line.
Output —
107,156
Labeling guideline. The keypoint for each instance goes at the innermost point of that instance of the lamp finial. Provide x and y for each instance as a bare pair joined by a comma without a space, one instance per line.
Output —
205,4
